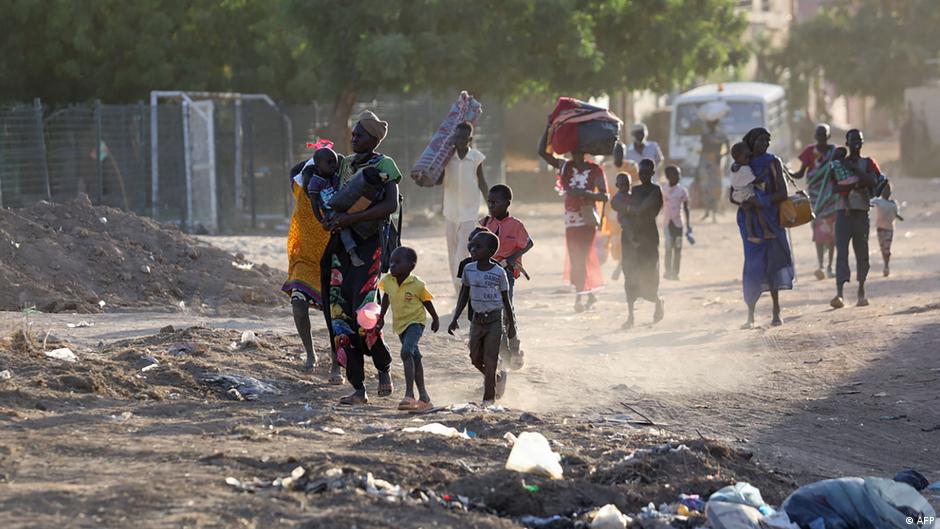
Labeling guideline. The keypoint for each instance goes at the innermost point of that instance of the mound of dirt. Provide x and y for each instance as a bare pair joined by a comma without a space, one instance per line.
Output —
74,256
189,364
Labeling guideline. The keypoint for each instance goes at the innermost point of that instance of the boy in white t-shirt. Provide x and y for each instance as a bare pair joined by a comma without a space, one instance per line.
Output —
886,211
675,204
464,185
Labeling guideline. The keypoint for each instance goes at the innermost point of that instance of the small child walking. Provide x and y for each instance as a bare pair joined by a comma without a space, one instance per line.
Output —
408,297
886,211
742,191
514,242
486,288
675,202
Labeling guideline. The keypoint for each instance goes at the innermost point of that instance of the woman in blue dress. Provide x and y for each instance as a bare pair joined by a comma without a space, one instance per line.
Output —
768,264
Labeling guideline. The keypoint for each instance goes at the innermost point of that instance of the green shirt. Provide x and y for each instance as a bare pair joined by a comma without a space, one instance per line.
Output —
385,165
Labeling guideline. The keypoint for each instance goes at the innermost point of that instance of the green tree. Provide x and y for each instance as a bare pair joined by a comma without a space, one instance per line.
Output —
503,49
870,47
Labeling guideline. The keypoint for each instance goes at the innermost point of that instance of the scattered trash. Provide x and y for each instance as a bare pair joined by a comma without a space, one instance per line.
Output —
335,431
532,453
79,325
6,374
437,428
63,353
934,486
145,269
15,244
248,339
149,367
249,388
692,501
234,394
724,515
859,503
240,265
610,517
535,521
101,303
880,394
912,478
742,493
510,438
103,220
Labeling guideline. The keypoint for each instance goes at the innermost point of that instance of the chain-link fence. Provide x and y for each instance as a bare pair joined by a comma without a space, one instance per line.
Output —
210,162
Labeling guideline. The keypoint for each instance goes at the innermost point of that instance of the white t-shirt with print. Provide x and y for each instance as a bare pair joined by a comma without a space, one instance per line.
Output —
461,190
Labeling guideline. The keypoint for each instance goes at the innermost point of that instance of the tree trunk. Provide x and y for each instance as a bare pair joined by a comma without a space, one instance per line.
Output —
337,129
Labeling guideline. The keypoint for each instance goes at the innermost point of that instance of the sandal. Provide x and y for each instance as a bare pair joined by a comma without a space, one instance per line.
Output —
408,404
385,385
354,399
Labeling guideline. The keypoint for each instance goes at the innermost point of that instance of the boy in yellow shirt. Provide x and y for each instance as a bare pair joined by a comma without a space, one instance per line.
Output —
410,301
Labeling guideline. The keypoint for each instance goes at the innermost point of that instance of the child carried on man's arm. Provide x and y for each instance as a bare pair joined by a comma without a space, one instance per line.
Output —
328,199
410,301
486,288
742,192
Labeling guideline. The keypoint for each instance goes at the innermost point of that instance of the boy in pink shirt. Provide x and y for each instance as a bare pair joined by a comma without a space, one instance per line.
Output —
514,242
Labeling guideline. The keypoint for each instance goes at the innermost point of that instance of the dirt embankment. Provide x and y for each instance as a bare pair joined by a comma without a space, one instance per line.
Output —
83,258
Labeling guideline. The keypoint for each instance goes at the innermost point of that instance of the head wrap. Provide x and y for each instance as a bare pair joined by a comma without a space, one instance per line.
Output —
373,125
637,127
751,137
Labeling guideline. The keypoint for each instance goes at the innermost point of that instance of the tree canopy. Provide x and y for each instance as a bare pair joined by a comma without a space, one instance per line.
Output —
335,51
870,47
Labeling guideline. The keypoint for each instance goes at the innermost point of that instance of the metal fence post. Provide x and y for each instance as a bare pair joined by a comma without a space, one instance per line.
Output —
187,165
253,199
99,174
37,106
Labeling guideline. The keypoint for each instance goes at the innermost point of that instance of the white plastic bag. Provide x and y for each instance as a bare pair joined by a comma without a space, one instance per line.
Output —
532,454
63,353
610,517
437,428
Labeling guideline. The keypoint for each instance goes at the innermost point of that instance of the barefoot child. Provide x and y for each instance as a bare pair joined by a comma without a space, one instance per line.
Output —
742,191
514,242
321,188
486,288
410,301
886,211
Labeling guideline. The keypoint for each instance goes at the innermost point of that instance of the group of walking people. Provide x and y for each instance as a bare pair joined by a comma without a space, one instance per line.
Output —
843,186
349,264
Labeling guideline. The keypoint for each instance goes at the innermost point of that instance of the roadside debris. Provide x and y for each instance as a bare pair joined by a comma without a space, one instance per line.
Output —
436,428
63,353
531,453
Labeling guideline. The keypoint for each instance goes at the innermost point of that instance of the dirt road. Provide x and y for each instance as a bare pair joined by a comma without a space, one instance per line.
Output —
830,393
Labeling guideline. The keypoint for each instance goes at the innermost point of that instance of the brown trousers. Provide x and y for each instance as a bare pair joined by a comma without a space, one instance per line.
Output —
484,350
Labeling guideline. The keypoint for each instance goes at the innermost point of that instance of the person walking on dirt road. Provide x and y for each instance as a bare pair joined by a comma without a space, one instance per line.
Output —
852,220
813,162
768,264
350,288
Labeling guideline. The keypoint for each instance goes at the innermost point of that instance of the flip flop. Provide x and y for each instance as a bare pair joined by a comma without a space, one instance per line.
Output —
421,406
337,379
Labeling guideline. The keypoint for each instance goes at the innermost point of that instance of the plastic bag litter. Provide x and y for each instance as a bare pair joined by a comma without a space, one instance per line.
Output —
725,515
63,353
537,521
742,493
532,454
248,339
858,503
6,374
437,428
610,517
79,325
251,388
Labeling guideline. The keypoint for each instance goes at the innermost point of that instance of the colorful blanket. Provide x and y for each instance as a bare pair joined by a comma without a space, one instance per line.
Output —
573,120
428,169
